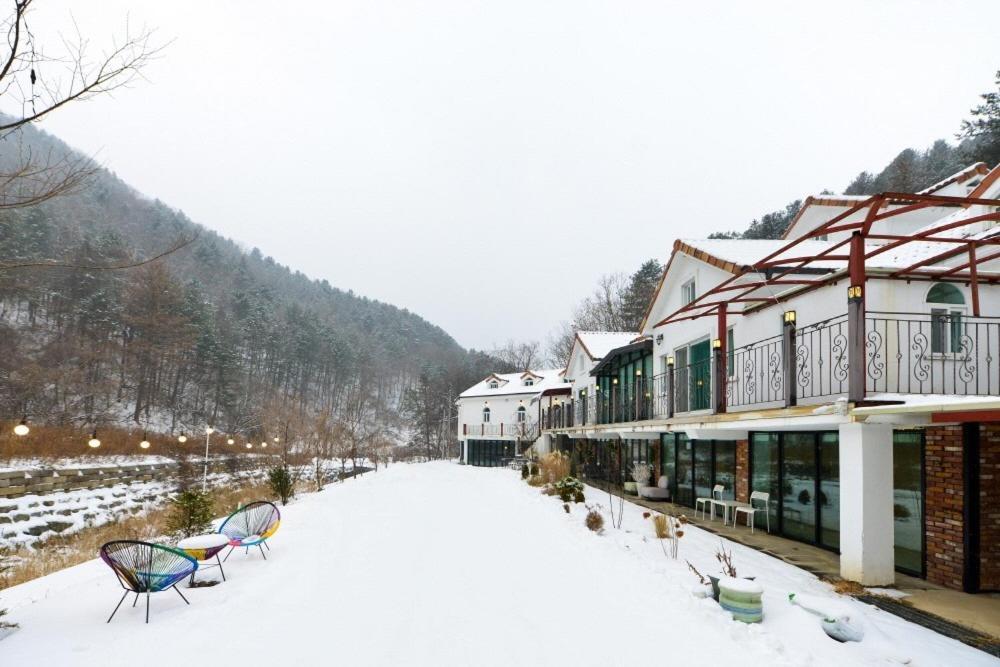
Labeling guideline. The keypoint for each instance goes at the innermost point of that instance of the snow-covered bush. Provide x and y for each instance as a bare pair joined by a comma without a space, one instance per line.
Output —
524,471
569,488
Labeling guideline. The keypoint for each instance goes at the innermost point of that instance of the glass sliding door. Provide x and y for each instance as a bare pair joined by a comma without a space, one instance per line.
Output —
829,490
725,467
668,461
798,486
685,471
765,472
702,468
701,385
908,500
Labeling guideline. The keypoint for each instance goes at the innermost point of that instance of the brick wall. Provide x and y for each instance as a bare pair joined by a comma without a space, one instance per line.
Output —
943,523
989,507
743,471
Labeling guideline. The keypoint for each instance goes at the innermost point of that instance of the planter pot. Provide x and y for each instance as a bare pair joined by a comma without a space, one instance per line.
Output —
715,587
630,488
741,598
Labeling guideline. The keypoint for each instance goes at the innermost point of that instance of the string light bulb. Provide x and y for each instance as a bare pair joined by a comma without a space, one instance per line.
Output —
230,441
22,429
249,445
94,443
145,441
182,438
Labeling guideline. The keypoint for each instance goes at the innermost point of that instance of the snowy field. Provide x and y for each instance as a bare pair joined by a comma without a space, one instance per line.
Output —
440,564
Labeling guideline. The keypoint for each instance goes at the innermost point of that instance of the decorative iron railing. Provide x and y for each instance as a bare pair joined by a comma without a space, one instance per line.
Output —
946,353
941,353
755,374
521,430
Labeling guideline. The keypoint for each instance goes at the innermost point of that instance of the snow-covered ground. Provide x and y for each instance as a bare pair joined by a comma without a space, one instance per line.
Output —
439,564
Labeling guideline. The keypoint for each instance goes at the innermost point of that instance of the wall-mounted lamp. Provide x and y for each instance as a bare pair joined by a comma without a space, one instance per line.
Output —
855,292
638,372
670,361
789,317
716,343
614,380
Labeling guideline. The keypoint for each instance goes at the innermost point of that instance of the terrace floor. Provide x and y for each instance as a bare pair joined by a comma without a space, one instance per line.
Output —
980,613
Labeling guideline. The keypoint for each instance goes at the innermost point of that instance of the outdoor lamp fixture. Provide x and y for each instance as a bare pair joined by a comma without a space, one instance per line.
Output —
264,444
597,387
145,441
209,430
230,441
670,361
716,343
855,292
614,380
789,317
638,372
22,429
94,443
182,438
659,339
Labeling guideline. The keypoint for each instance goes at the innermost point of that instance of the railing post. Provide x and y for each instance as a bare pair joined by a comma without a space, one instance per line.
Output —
465,429
719,347
501,429
788,366
670,387
856,321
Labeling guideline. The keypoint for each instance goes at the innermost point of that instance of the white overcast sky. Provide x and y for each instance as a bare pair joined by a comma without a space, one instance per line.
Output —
483,163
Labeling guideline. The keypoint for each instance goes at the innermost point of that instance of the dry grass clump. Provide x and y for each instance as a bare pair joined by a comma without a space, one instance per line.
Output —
537,481
594,520
60,552
553,467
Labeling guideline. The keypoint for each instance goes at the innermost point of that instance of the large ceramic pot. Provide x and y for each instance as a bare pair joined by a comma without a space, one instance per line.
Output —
741,598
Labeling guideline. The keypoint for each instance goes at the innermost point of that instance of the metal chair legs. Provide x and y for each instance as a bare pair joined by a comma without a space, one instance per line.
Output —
179,593
262,551
120,604
220,567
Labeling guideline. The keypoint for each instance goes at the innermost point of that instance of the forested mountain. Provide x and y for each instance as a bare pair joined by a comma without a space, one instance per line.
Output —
209,334
910,171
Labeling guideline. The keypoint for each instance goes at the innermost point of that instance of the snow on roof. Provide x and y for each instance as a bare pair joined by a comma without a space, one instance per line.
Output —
978,168
733,254
513,383
598,343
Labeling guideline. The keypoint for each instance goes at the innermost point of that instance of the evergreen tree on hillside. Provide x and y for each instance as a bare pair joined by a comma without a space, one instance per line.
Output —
641,287
982,131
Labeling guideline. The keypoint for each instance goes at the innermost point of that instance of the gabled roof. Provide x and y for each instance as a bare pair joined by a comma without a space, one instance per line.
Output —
734,255
597,344
512,384
979,168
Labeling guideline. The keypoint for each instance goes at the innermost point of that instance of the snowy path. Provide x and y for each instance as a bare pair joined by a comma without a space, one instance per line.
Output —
433,564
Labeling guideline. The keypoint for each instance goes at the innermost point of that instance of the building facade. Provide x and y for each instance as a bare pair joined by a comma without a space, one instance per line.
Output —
850,370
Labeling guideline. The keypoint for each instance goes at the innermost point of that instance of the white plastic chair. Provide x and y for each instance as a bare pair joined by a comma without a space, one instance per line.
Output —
702,503
751,510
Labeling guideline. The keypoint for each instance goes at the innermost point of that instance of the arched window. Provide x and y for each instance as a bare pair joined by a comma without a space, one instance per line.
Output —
486,415
947,305
522,415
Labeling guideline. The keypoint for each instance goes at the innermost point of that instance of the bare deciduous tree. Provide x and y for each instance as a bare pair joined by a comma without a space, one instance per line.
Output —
519,356
37,79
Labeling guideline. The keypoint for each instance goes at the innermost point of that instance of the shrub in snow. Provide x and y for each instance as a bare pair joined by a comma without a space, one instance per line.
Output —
190,513
594,520
578,497
281,483
524,471
569,488
805,497
534,470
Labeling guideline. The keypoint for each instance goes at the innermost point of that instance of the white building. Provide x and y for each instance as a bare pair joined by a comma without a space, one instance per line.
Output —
498,416
850,370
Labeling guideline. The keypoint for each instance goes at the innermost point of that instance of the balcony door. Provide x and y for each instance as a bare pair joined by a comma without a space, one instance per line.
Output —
701,384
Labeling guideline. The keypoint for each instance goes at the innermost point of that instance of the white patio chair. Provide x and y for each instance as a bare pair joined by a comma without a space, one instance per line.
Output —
703,503
751,510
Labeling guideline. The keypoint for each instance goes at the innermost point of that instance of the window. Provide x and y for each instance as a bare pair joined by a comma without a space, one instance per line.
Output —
494,385
522,415
529,382
486,415
947,306
730,353
688,292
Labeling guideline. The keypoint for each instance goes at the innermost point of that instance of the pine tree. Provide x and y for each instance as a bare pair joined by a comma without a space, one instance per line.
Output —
641,288
983,130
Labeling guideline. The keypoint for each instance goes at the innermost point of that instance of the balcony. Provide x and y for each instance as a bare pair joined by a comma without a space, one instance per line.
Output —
898,354
526,430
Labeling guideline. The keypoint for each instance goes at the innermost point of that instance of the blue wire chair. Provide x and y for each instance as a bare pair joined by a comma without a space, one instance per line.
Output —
143,567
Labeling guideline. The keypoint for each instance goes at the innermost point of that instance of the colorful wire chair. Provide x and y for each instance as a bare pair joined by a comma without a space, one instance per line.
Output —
251,526
143,567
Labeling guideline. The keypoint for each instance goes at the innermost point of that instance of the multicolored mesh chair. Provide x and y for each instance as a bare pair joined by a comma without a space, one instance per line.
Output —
251,526
143,567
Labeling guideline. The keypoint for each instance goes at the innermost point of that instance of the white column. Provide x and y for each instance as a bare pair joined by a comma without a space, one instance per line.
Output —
866,524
